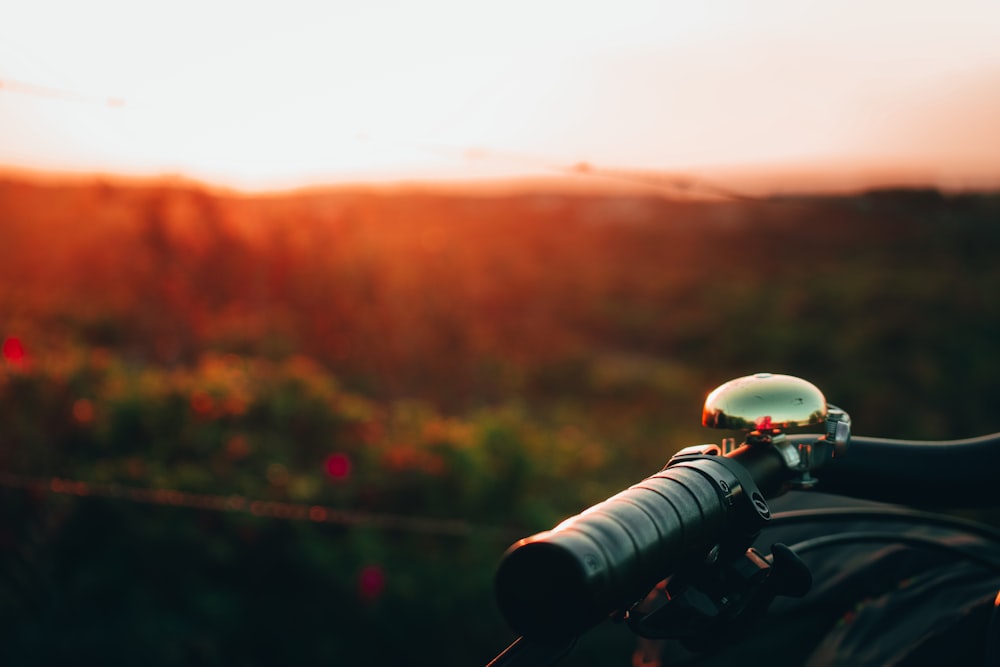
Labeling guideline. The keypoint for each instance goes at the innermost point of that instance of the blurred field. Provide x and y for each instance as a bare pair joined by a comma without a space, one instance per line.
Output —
476,366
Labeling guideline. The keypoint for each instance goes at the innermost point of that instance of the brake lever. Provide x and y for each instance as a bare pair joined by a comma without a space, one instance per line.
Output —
720,599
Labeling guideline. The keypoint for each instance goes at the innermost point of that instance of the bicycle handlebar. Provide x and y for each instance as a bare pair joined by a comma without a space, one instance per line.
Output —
558,583
694,522
936,474
561,582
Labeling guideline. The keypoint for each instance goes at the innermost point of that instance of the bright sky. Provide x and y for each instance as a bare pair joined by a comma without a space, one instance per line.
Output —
272,94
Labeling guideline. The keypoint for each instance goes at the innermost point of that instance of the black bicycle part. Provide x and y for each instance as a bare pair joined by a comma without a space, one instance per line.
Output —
559,583
553,586
720,602
885,514
936,474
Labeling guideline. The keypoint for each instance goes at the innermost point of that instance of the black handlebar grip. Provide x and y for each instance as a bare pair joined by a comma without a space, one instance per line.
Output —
561,582
941,474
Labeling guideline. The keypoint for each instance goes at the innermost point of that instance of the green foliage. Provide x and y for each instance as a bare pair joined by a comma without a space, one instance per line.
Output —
497,361
233,588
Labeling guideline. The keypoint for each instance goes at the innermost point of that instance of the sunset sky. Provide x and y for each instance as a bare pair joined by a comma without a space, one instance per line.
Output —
279,94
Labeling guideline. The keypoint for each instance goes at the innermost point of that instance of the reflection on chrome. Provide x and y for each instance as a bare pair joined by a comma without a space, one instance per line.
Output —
764,402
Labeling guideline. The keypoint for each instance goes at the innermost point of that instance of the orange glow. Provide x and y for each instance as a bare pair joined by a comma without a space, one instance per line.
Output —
330,93
237,448
401,458
83,411
202,404
318,514
234,405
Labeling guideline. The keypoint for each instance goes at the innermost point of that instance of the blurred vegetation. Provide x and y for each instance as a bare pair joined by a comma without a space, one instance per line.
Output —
500,360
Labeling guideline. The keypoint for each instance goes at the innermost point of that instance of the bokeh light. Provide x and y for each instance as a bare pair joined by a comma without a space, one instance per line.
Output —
83,411
338,466
371,583
13,350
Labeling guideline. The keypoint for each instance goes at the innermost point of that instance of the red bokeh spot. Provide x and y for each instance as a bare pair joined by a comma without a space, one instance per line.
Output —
371,583
237,448
13,350
202,403
83,411
338,466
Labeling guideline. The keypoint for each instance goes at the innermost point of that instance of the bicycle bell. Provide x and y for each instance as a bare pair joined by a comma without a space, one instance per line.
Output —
766,403
766,406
